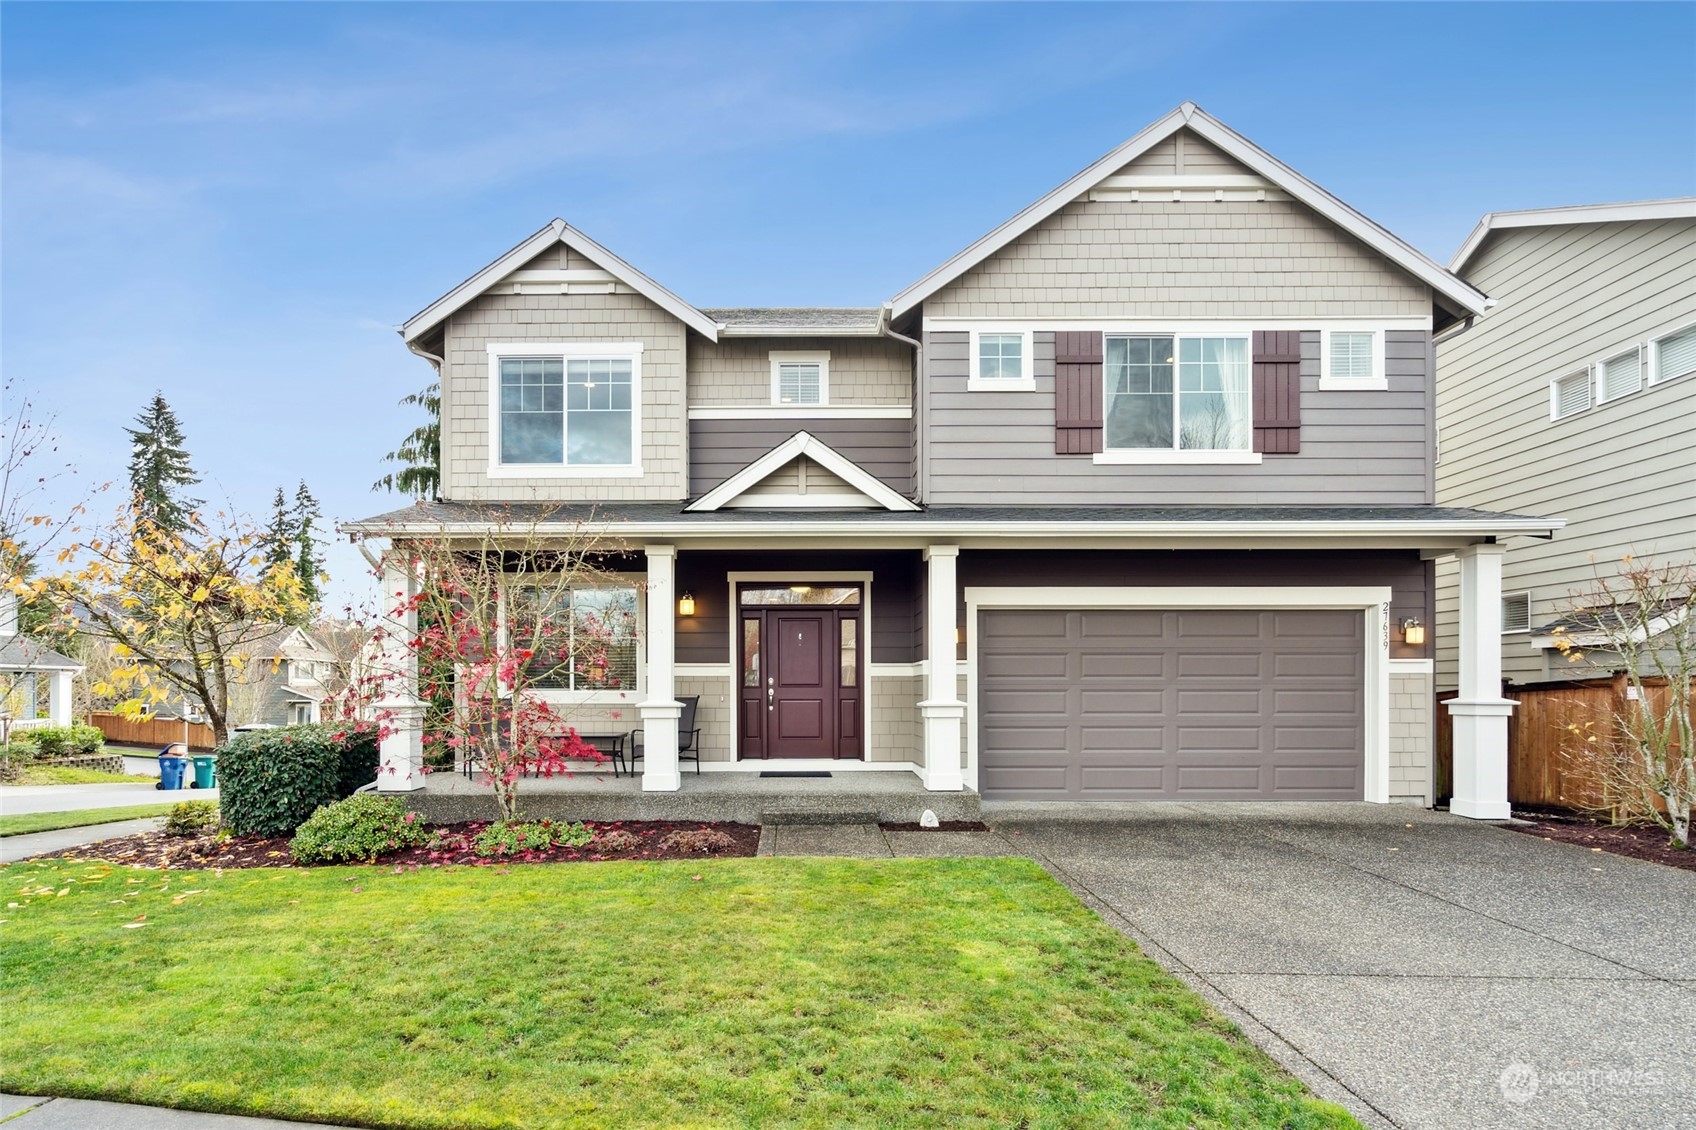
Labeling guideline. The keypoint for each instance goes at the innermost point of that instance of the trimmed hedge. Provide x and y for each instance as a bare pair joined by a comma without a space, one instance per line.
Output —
271,781
67,741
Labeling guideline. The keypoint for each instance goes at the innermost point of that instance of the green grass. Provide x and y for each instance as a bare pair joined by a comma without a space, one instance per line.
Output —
26,822
751,992
74,775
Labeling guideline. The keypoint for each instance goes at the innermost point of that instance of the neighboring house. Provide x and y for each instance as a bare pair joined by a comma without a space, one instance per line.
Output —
284,682
35,680
1575,394
1132,498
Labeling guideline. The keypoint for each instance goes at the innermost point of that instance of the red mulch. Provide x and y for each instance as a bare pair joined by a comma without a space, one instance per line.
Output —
199,853
1638,843
942,826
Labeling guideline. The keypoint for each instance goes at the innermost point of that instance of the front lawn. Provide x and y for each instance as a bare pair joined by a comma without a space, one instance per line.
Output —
40,774
750,992
26,822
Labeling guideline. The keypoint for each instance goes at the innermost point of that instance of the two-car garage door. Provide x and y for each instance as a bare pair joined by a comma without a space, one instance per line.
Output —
1145,704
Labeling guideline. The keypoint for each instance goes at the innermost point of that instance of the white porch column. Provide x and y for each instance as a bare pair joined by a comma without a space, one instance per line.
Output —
942,709
59,697
660,710
401,750
1480,712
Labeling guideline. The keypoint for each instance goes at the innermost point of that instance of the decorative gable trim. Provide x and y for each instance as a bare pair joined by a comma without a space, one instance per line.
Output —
800,444
1468,299
558,231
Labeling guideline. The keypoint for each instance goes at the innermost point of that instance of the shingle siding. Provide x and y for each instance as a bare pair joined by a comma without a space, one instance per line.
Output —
737,371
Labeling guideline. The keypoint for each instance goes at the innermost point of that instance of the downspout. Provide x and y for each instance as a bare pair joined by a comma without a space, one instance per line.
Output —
921,455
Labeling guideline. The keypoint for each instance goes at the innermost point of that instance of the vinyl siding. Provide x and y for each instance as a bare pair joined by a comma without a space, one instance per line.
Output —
1368,447
1622,474
615,317
720,448
737,371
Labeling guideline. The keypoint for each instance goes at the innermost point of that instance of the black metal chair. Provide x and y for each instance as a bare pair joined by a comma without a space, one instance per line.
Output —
688,736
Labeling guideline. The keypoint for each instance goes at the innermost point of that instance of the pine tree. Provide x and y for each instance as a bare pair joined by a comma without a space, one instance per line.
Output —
420,454
309,562
159,468
279,536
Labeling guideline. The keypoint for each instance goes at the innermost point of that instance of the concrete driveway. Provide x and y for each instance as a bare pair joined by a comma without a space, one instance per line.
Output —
1423,970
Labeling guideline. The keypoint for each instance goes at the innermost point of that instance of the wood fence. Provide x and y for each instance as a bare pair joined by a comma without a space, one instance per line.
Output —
1540,772
155,733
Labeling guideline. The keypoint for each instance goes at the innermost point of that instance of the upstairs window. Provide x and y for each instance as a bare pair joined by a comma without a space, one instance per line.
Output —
1351,359
564,408
1177,392
1673,356
1001,361
1569,395
1516,612
799,379
1619,376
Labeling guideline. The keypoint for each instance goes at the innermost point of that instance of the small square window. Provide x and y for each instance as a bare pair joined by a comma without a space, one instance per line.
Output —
1673,356
1619,376
1516,612
800,379
1351,359
1001,361
1569,395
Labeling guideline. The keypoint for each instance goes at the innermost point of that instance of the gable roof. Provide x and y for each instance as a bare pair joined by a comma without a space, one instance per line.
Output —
1464,298
20,653
1676,208
876,492
558,231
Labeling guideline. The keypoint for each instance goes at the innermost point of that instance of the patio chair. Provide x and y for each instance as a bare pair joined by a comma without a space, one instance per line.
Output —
688,736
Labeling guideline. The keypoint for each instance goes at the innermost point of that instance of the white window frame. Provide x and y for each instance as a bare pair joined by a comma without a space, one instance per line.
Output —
1599,369
1507,596
1024,382
604,696
630,351
1589,375
782,357
1653,356
1144,456
1378,381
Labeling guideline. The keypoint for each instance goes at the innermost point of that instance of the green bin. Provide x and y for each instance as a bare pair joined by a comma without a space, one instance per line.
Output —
204,777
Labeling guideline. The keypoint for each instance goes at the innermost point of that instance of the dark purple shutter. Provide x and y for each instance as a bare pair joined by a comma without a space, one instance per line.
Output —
1277,391
1077,393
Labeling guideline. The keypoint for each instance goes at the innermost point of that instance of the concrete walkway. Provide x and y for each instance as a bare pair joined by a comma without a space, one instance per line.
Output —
18,799
14,848
1421,969
81,1114
868,841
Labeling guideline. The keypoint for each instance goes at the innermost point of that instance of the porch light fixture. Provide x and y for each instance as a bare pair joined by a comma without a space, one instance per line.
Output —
1413,631
686,604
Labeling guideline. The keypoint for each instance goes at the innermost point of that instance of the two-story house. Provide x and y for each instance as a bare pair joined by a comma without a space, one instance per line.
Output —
1132,498
1574,395
283,680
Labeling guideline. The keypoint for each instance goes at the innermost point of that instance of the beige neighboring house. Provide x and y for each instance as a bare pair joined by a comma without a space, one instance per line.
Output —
286,680
1574,395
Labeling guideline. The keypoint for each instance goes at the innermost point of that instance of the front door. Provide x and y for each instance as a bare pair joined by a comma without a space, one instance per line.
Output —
801,671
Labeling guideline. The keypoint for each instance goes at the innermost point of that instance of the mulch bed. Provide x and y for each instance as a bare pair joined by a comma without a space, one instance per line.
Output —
200,853
1638,843
942,826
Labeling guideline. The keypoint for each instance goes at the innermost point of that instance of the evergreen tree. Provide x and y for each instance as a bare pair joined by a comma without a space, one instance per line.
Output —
308,562
419,457
159,468
279,536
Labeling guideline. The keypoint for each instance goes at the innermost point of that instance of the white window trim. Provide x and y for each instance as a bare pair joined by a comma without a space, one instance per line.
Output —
1526,593
1653,356
606,696
1379,381
1589,375
1156,455
1600,371
784,411
781,357
565,350
1179,455
1372,601
1024,382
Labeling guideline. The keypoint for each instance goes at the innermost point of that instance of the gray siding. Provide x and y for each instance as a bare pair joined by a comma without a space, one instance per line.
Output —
737,371
1356,447
720,448
1622,474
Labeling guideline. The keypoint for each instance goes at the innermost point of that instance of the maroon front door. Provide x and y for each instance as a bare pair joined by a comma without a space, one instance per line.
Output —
801,674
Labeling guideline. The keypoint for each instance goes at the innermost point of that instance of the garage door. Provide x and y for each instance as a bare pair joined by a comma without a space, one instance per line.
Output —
1175,704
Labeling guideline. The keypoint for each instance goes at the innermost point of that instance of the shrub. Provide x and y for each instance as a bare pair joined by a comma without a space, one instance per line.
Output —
360,827
191,818
67,741
618,839
701,841
509,837
271,781
21,750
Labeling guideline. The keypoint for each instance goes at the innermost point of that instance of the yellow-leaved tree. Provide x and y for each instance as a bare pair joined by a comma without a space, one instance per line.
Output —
182,608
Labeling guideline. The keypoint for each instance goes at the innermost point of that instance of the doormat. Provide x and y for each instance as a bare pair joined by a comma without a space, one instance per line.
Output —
799,773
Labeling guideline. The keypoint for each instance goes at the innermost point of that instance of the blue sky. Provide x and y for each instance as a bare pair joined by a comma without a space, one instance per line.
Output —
237,203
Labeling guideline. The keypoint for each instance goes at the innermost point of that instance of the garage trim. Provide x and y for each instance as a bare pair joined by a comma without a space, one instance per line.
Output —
1372,600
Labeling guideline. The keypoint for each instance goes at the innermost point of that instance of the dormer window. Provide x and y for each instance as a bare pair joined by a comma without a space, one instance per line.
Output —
565,409
800,379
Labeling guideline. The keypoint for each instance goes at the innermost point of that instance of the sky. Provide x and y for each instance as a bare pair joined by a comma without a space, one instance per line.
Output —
236,204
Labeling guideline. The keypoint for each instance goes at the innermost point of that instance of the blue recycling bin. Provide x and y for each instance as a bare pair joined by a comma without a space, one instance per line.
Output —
171,771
